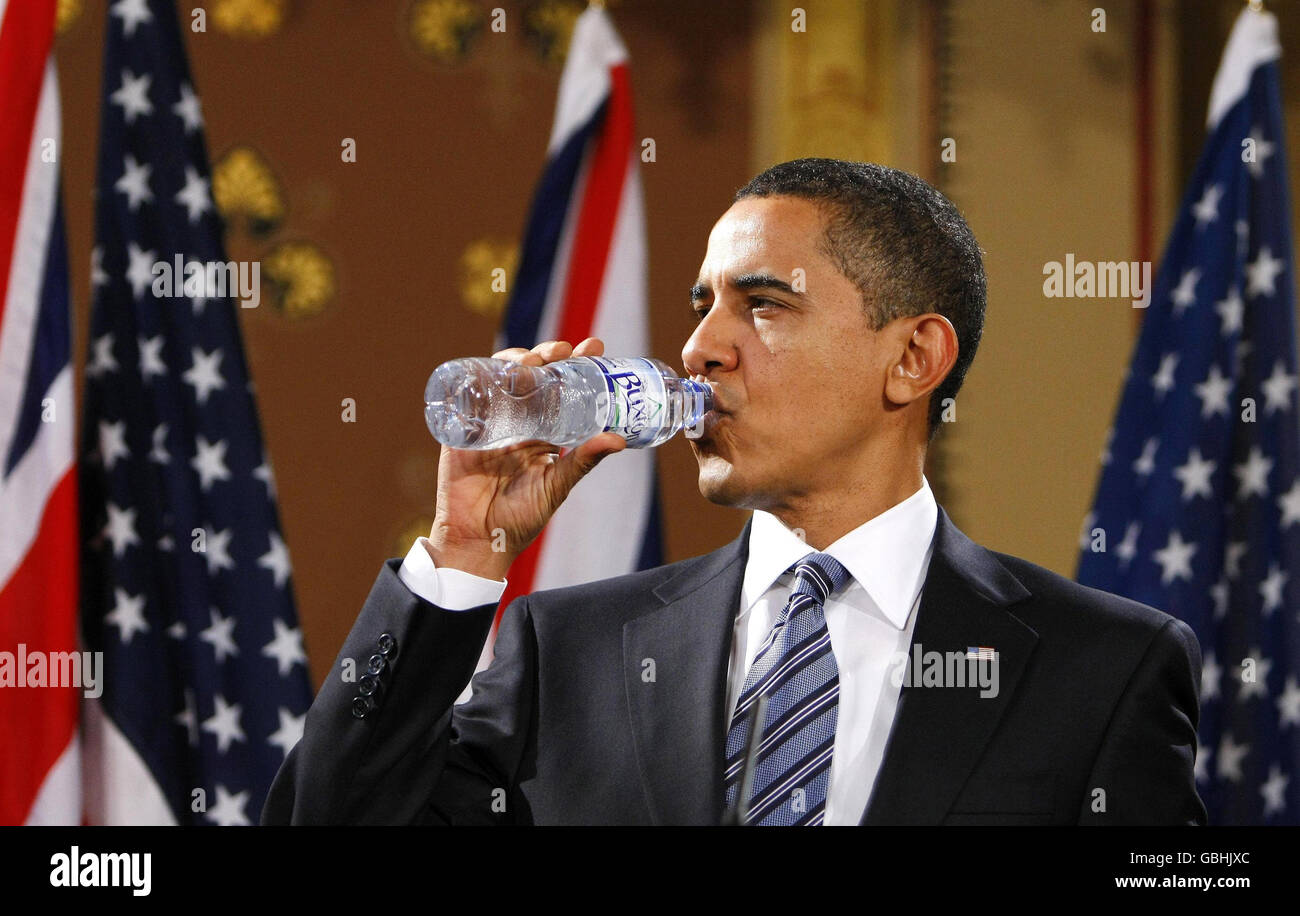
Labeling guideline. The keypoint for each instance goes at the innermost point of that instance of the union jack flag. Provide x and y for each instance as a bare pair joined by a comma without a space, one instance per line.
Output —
39,747
582,273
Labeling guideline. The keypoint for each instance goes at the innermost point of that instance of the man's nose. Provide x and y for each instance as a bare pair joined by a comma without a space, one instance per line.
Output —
712,346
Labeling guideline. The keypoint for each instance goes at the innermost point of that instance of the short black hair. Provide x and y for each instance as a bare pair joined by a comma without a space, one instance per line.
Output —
900,241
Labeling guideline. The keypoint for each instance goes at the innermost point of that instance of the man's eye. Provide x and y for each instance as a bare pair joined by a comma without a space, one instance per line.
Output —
759,302
700,312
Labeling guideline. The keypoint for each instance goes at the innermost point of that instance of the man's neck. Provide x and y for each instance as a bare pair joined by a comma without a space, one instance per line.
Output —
826,519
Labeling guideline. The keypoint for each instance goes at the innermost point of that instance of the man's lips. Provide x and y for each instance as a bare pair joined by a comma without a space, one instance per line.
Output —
719,402
712,421
715,417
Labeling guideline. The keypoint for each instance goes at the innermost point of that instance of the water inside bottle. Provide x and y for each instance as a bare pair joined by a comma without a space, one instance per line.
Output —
503,405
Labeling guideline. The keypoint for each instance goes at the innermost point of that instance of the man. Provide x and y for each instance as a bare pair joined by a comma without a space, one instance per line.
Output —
840,306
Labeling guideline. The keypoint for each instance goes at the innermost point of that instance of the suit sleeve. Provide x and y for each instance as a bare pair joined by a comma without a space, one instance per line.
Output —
491,743
1146,762
385,751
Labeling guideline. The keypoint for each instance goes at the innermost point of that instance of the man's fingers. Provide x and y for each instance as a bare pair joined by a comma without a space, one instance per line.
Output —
553,350
592,346
519,355
549,351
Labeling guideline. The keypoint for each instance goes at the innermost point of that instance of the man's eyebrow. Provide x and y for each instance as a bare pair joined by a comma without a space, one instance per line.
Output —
746,282
763,281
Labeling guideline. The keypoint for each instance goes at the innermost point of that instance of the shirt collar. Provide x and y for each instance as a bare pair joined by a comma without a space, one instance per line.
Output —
887,555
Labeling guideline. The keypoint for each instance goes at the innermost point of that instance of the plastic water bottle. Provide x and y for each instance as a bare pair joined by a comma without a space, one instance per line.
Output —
480,403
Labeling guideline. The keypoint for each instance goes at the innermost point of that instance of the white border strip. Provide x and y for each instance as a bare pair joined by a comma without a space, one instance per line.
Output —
593,49
58,802
1253,42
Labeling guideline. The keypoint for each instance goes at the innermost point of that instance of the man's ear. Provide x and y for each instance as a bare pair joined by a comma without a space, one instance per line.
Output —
927,351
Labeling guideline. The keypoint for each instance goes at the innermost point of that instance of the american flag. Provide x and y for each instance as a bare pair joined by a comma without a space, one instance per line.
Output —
186,580
39,748
1199,499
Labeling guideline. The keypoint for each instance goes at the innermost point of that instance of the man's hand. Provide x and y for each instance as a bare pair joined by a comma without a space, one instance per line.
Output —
506,495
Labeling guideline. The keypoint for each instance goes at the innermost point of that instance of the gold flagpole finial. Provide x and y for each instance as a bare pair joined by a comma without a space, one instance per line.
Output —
600,4
1256,6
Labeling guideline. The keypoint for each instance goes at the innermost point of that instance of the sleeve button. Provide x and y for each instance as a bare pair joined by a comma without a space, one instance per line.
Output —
369,685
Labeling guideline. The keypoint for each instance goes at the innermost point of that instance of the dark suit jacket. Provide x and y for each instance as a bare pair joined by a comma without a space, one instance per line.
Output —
604,705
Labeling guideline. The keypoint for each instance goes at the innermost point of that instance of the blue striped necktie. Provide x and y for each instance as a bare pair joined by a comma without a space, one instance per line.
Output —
795,669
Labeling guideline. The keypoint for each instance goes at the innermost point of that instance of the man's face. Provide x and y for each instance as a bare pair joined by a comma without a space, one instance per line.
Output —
797,370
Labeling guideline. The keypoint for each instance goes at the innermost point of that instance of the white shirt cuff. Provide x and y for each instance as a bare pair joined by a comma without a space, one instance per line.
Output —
449,589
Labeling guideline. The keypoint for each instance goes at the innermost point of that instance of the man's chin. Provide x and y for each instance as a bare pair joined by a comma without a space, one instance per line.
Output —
718,482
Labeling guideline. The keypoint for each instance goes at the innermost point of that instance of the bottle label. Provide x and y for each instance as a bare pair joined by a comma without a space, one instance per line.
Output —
638,398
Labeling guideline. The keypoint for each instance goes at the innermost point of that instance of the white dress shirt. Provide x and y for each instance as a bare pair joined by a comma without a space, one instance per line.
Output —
870,622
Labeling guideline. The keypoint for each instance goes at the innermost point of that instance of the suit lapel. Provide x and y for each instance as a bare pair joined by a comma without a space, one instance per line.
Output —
677,716
939,733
